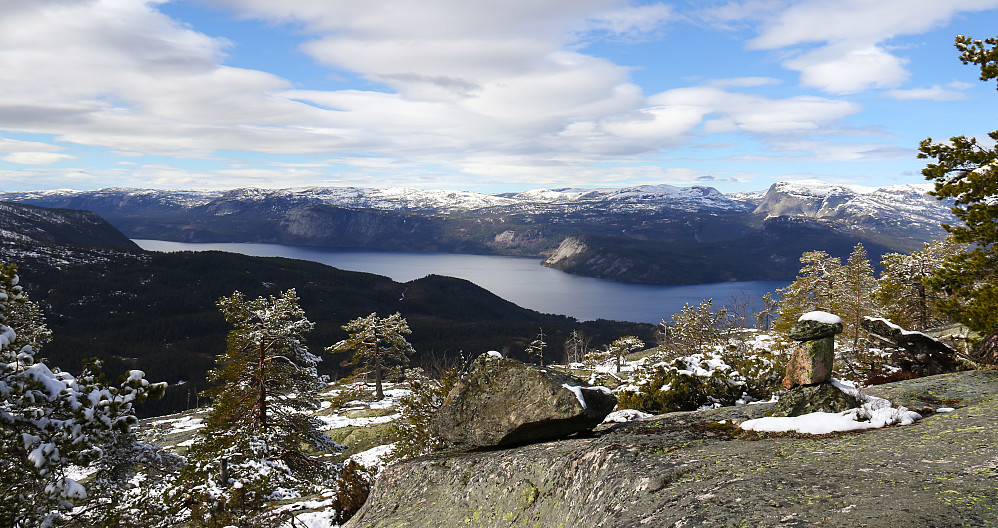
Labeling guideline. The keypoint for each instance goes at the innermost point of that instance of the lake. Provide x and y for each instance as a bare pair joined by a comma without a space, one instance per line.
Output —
520,280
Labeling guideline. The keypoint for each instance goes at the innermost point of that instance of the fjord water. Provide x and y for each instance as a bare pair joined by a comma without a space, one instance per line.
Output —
517,279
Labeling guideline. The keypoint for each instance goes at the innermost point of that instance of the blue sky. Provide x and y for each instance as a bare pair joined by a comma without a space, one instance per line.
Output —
482,95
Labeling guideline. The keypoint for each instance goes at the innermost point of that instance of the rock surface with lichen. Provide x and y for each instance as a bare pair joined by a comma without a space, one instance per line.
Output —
687,469
806,399
813,355
504,402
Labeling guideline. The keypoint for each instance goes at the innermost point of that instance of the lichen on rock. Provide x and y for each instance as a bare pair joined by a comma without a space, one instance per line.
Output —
503,402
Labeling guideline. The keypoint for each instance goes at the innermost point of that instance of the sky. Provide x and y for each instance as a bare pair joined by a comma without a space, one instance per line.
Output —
488,96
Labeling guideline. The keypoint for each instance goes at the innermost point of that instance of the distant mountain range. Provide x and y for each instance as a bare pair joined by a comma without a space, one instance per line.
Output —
652,234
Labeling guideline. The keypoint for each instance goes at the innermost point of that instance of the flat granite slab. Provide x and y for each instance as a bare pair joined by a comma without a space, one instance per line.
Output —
686,469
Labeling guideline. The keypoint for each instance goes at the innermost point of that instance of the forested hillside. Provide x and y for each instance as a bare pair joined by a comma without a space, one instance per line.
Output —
156,311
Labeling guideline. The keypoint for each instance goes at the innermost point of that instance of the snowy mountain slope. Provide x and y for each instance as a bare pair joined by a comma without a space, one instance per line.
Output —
694,198
113,197
905,212
802,198
645,226
392,199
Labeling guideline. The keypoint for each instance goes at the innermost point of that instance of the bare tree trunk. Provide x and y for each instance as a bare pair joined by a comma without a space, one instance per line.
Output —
378,392
263,386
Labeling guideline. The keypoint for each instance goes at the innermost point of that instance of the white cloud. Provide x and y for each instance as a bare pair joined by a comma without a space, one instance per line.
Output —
633,21
859,20
757,114
825,151
850,56
36,158
843,69
935,93
745,82
502,90
16,145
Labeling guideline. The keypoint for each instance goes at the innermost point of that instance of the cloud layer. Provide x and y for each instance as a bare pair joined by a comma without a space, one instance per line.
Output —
509,91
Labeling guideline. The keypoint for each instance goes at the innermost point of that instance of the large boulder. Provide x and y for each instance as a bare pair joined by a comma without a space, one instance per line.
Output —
684,469
503,402
823,397
915,352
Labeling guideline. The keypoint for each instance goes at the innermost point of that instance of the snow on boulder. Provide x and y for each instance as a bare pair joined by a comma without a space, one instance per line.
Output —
914,351
626,415
872,413
503,402
815,325
821,317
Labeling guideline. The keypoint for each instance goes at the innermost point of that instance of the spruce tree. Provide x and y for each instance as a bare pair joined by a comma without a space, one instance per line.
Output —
966,171
377,342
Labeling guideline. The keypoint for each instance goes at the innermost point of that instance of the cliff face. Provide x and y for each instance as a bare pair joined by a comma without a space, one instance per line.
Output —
684,469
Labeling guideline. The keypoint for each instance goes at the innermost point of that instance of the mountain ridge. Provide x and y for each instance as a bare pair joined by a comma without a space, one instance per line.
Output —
643,225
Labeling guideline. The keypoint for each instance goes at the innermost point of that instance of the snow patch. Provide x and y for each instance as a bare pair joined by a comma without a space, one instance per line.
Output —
578,393
874,413
821,317
625,415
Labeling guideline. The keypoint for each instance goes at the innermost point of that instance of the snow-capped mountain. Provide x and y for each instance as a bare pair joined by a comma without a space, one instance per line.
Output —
644,226
645,197
907,211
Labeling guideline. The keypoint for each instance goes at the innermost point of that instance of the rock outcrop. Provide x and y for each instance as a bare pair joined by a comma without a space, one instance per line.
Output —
503,402
806,399
986,351
915,352
684,469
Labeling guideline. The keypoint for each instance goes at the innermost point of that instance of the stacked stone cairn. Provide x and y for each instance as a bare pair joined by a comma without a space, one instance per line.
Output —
809,371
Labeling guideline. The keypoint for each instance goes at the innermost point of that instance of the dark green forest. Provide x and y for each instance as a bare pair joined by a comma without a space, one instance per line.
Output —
156,312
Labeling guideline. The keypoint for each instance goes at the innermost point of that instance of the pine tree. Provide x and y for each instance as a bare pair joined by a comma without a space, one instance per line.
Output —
377,343
855,299
696,329
537,346
764,318
576,346
415,429
265,389
814,289
967,172
903,291
623,346
50,420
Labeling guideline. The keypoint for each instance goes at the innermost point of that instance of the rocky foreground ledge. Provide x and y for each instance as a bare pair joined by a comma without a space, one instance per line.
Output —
685,469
